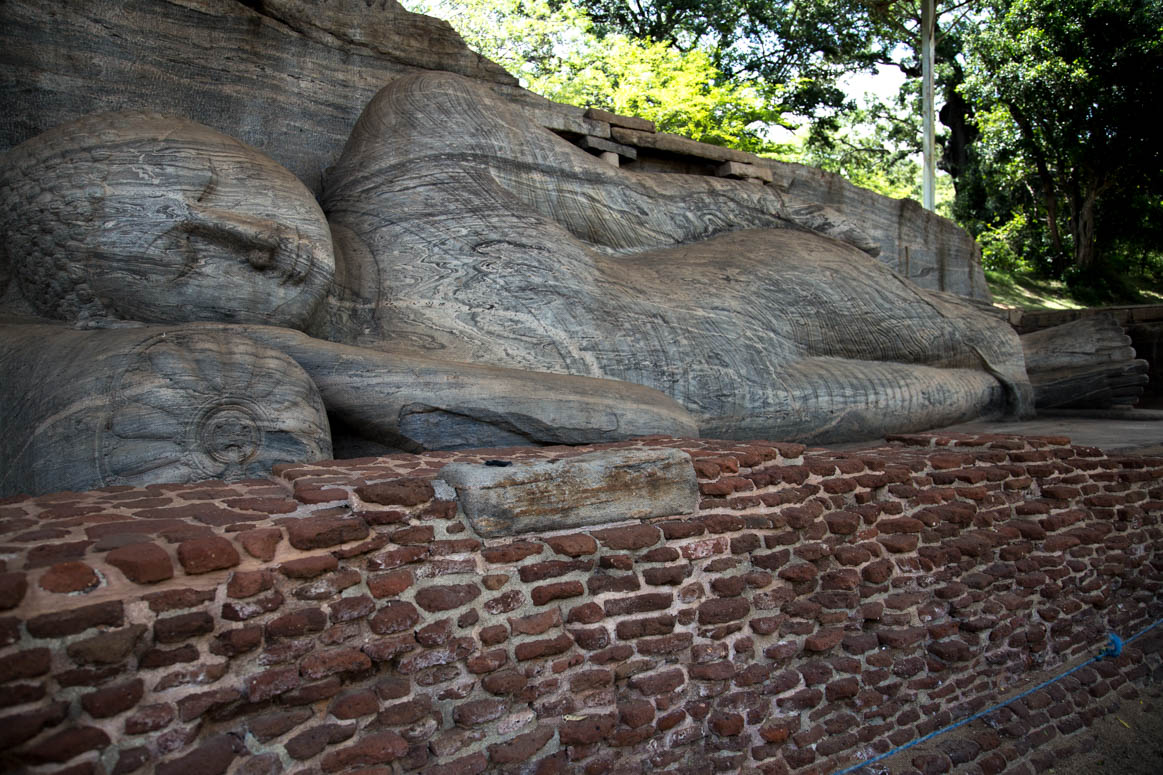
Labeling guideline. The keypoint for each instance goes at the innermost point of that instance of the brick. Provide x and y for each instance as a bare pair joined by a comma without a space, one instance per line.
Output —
605,582
244,584
682,529
842,689
446,598
512,552
261,543
192,706
25,664
69,577
487,662
651,601
801,572
142,563
478,712
414,534
323,532
62,623
49,554
106,648
272,683
133,759
547,593
395,616
522,747
403,713
539,571
877,573
173,599
726,724
112,700
12,589
645,626
212,757
585,730
240,611
149,718
824,640
64,745
535,624
658,683
348,609
842,522
397,492
899,542
901,638
542,648
576,545
588,680
356,704
504,682
389,584
629,538
19,727
722,610
309,567
296,623
204,555
729,586
472,764
321,664
671,575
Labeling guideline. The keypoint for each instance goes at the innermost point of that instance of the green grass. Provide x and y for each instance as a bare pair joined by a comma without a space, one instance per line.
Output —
1022,290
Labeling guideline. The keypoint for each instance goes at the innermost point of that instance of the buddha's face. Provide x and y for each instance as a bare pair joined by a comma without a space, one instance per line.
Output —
181,223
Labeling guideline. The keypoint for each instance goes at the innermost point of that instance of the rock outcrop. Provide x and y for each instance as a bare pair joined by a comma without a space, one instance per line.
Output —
290,77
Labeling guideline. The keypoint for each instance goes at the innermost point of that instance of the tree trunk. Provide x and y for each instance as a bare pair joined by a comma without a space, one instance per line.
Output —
1047,179
1083,229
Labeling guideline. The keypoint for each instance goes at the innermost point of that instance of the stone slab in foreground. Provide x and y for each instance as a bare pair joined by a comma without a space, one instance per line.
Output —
502,498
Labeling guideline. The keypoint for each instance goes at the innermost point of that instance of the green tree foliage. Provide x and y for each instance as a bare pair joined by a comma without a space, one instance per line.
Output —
1066,93
556,52
803,46
1047,104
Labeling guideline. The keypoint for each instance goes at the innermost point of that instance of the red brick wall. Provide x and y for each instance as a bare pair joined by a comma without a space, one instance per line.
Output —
820,608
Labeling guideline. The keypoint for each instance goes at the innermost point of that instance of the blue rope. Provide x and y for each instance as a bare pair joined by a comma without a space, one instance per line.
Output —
1114,648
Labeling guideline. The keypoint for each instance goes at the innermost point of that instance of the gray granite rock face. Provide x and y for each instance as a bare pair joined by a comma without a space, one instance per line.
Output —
287,77
290,77
592,489
929,250
93,408
157,219
119,220
477,239
481,280
1087,363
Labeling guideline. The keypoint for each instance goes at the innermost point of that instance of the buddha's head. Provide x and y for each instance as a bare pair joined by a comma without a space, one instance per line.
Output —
140,216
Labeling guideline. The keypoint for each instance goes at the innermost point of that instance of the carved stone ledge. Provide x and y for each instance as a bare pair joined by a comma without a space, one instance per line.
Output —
676,144
630,122
742,171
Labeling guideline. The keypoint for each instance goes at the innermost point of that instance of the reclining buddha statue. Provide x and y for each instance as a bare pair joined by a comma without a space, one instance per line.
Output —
178,306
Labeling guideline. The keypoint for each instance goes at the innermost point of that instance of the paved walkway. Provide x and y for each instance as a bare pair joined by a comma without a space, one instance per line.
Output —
1139,431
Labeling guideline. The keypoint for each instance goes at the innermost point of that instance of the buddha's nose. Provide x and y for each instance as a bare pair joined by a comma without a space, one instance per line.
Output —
264,243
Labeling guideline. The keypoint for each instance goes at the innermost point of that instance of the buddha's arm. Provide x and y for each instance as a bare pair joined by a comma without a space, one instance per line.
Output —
413,402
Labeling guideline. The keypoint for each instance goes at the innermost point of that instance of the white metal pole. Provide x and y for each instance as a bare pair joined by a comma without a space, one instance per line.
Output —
928,185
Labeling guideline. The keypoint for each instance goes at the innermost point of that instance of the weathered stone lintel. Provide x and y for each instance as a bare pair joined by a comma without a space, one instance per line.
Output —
683,146
589,143
591,489
742,171
629,122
